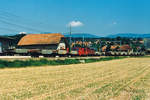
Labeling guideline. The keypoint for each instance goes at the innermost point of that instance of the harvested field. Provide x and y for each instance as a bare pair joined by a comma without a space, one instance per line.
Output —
124,79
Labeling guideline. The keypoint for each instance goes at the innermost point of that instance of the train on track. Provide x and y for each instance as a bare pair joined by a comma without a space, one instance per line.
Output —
78,51
51,45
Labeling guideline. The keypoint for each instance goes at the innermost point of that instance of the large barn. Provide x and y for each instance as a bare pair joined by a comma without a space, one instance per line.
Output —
43,43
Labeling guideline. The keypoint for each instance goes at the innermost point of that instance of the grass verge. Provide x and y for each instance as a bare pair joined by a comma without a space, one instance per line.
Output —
44,62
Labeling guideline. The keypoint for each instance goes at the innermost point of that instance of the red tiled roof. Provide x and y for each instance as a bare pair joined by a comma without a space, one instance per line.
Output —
35,39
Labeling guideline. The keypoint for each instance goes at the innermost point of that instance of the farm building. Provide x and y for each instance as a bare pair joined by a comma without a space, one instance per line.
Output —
125,48
147,43
44,43
5,43
104,48
117,47
112,48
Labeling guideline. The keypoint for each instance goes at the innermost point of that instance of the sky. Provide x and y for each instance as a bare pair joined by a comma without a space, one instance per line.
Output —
98,17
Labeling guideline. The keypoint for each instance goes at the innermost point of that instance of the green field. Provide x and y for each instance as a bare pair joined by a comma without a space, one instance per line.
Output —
121,79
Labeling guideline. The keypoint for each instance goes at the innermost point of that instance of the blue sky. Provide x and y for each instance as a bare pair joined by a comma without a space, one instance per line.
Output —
100,17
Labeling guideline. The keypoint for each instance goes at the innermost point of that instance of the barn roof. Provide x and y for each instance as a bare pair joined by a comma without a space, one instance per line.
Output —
36,39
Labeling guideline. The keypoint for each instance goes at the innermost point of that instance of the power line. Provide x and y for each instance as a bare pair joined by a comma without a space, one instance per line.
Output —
17,25
17,20
10,23
28,21
8,29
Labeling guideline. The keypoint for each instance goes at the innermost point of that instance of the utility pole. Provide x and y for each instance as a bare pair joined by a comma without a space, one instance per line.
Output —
70,38
83,41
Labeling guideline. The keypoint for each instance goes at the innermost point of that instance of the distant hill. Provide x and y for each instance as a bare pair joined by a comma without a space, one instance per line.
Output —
88,35
81,35
129,35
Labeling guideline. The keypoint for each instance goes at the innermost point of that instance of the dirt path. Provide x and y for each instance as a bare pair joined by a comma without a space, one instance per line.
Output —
125,79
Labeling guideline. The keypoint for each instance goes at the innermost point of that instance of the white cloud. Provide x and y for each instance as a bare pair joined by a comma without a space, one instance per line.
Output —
22,32
114,23
75,23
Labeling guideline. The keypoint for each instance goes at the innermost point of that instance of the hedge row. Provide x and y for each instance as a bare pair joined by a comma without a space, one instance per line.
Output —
44,62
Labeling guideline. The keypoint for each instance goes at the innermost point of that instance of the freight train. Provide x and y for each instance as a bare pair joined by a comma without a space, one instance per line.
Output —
51,45
77,51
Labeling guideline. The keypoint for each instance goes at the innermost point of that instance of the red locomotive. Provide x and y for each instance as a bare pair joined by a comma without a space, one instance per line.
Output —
80,51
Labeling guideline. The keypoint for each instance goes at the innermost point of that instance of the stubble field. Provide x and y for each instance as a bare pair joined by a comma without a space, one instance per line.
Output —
124,79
